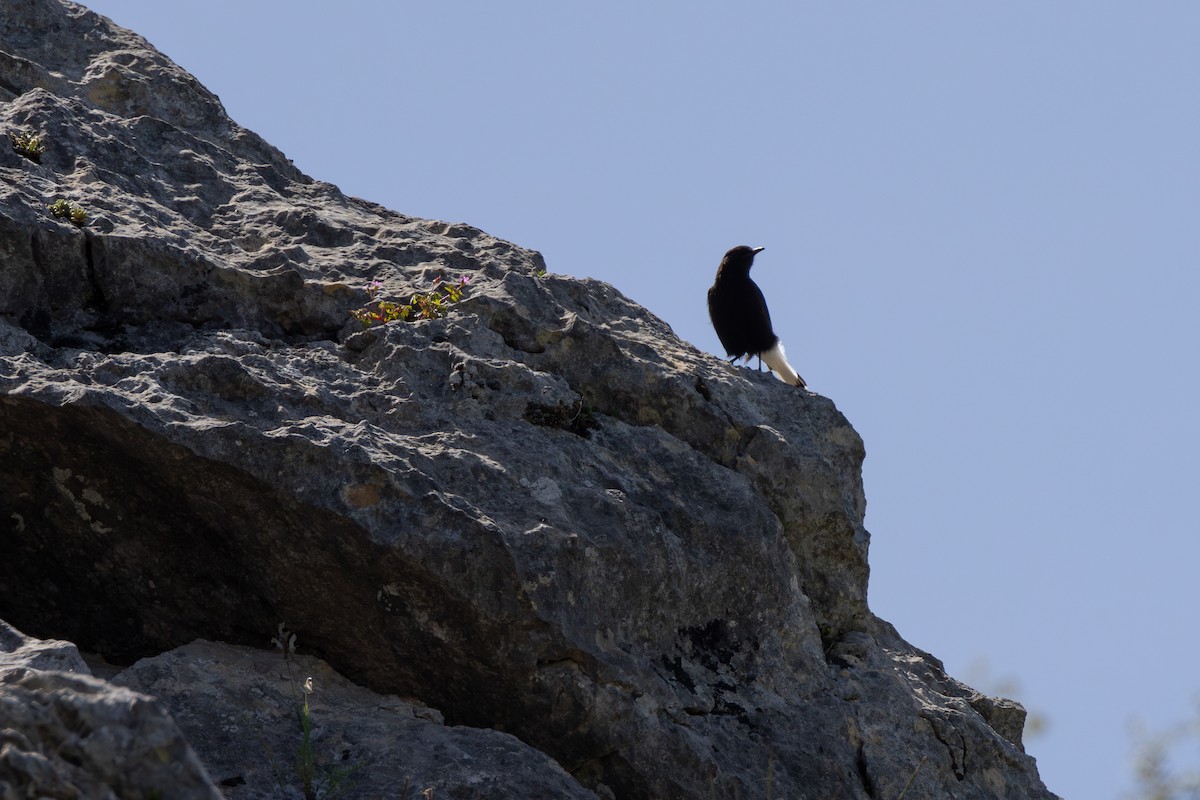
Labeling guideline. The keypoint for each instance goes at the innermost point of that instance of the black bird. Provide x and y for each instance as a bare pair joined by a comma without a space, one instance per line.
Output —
739,315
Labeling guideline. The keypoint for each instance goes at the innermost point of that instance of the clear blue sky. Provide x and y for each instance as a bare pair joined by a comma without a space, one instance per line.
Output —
981,224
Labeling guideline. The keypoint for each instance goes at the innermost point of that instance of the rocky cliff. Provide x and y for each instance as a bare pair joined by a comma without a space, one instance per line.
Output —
577,540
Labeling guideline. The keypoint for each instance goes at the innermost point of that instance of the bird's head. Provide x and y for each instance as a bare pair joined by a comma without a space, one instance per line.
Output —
739,260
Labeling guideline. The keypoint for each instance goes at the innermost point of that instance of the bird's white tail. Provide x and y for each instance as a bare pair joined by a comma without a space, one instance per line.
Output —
777,361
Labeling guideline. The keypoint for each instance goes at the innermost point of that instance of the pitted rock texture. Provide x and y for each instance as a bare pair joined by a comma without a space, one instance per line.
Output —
65,734
239,707
543,514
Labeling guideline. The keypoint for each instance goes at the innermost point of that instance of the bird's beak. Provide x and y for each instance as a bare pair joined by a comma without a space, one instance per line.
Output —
758,250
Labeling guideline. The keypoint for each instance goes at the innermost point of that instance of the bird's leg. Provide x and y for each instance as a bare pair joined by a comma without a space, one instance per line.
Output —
733,359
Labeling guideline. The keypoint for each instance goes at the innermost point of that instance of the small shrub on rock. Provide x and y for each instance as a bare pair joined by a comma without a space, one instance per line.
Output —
422,305
64,210
577,419
29,145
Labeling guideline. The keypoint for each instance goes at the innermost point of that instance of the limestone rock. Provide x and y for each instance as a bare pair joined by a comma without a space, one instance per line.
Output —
238,707
542,514
65,734
18,651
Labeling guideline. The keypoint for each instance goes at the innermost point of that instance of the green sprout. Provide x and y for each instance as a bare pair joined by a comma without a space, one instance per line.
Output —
29,145
306,757
316,782
64,210
421,305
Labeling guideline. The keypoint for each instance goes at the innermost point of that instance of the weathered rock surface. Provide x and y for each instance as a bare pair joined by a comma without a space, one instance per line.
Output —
238,707
64,734
542,514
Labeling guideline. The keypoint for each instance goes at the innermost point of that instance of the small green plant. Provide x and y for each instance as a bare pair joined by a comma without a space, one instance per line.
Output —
29,145
64,210
575,418
317,783
421,305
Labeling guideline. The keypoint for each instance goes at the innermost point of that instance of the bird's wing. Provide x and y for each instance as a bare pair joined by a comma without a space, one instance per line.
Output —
761,311
723,314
